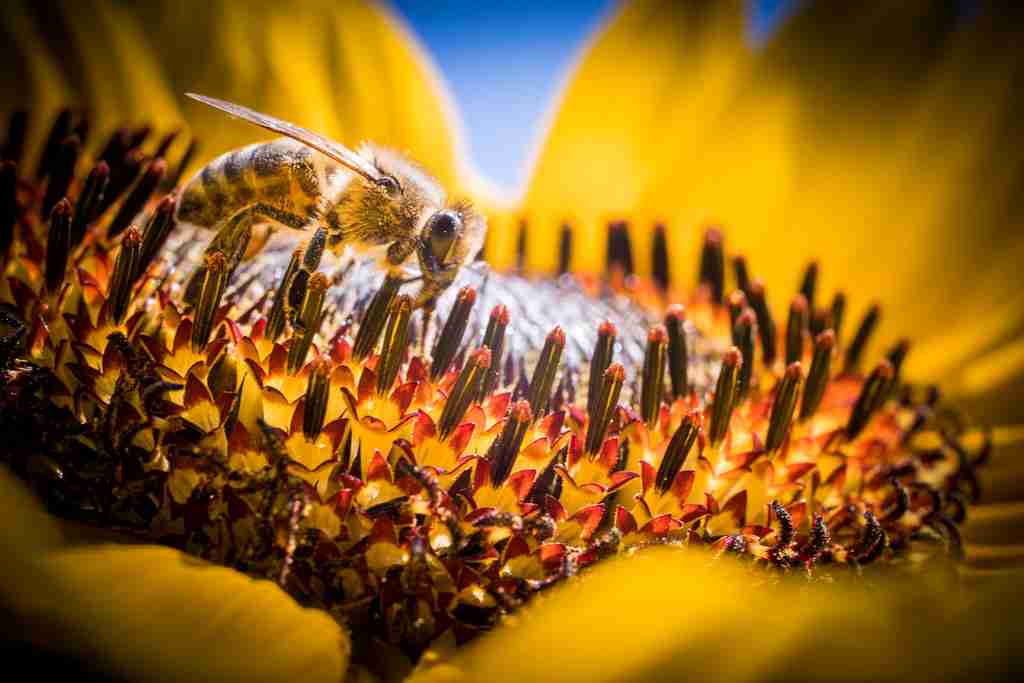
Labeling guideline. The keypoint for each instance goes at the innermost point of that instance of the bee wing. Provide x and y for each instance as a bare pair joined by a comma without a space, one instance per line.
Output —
331,149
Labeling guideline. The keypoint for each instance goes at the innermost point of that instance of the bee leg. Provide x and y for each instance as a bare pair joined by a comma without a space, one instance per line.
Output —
296,285
232,240
399,252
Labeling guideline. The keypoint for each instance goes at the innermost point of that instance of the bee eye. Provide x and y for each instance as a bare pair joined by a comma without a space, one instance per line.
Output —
441,231
389,185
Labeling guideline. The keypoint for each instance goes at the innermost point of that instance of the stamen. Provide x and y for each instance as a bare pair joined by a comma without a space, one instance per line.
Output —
317,389
395,344
743,339
765,322
871,397
58,245
123,172
675,320
278,310
175,177
809,285
860,340
307,323
494,339
157,229
126,268
604,407
712,265
817,378
726,391
660,270
739,266
795,327
215,281
505,449
783,407
137,198
464,392
14,146
60,130
653,375
564,249
675,453
836,315
897,355
373,320
604,350
737,303
544,374
619,250
63,171
450,339
88,202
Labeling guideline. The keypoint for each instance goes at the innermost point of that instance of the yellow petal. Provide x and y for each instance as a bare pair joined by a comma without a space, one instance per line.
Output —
879,141
673,615
348,69
152,613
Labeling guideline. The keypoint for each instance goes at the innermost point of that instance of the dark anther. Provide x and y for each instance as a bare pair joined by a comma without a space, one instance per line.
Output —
675,322
860,340
604,407
653,375
494,339
126,268
872,395
712,265
215,280
901,504
743,339
564,249
675,453
278,310
373,320
307,321
765,322
737,303
450,338
836,314
660,270
155,234
61,174
521,247
780,552
89,199
872,541
175,176
395,344
14,145
60,130
504,450
544,374
739,266
795,327
819,539
783,407
619,250
604,350
548,483
58,245
465,391
810,284
137,198
725,395
818,377
165,144
317,393
897,355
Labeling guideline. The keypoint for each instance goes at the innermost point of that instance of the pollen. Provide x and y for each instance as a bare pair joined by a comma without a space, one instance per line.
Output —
421,476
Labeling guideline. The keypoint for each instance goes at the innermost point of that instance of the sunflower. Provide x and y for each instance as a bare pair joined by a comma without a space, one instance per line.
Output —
809,149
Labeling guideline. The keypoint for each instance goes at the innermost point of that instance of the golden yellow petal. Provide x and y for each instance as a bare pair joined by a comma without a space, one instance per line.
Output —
878,140
348,69
674,615
155,614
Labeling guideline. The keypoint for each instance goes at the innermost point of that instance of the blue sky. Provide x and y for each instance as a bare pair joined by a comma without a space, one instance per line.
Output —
504,62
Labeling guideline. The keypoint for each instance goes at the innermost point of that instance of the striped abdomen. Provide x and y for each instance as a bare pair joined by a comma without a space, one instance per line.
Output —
283,180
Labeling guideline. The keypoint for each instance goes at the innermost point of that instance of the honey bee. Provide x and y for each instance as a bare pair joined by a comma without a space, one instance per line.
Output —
374,202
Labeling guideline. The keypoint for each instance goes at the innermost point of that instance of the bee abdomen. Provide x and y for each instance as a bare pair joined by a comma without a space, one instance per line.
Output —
281,176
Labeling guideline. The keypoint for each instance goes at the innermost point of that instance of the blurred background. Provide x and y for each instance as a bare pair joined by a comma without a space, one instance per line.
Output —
505,63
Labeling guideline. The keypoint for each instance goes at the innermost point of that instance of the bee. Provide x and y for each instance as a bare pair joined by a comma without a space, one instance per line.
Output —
373,202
